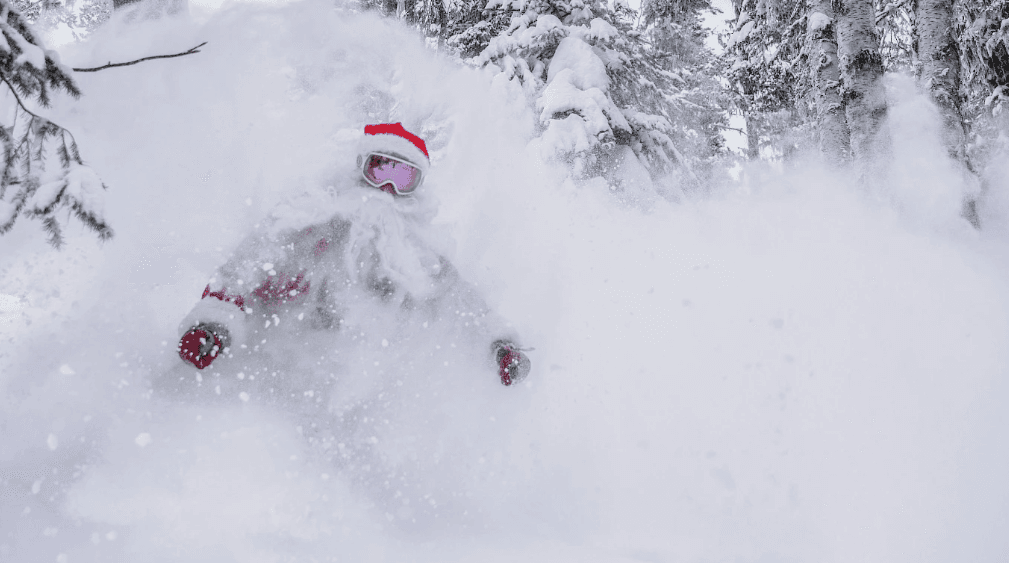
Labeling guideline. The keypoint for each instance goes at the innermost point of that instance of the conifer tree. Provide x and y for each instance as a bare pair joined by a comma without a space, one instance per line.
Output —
895,26
982,31
437,20
471,27
430,16
81,17
765,56
43,171
674,32
607,103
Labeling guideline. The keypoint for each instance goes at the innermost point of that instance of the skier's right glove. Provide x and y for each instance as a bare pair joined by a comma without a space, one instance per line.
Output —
513,365
202,344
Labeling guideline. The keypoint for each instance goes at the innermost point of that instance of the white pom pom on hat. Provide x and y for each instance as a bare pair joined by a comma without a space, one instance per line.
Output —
393,139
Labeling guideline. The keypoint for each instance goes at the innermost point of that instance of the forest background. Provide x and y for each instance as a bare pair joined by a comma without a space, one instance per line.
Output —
638,100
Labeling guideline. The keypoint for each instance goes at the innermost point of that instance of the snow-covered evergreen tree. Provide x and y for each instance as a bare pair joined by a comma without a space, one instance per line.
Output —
471,27
606,101
895,26
982,30
430,16
32,182
673,29
765,59
437,20
80,17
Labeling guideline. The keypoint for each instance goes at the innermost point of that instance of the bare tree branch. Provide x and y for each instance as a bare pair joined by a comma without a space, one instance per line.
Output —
195,49
727,128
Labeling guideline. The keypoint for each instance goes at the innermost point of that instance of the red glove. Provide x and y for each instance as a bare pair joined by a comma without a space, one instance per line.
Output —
513,365
201,345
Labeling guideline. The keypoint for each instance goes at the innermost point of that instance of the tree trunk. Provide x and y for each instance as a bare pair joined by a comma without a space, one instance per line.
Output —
752,139
835,144
936,51
861,68
938,55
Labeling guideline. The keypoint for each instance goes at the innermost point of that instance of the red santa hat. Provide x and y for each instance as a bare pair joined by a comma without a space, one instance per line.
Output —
393,139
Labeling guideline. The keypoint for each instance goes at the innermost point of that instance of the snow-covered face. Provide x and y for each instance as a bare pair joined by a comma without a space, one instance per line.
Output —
387,240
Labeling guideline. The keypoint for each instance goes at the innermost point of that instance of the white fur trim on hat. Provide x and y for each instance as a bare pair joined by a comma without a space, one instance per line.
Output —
394,145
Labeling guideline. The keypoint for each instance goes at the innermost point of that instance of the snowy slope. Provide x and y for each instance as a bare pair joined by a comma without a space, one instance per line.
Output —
789,370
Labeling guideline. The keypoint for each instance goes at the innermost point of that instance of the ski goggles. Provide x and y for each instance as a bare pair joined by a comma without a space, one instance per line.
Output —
380,170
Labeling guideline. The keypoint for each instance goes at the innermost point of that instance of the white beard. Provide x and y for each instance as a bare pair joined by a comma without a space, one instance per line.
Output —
385,240
389,237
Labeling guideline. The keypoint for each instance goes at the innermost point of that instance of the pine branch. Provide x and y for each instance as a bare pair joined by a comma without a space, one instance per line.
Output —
61,81
4,79
27,145
51,206
8,155
195,49
74,151
51,226
63,153
91,221
18,202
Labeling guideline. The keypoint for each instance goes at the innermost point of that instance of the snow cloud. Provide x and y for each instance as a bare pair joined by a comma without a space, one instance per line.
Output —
790,368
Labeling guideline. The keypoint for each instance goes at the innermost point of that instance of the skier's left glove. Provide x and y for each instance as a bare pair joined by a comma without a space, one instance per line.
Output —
513,365
202,344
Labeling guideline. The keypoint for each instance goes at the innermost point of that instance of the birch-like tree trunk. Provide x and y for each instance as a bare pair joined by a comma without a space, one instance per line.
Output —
936,51
861,68
835,144
752,139
938,56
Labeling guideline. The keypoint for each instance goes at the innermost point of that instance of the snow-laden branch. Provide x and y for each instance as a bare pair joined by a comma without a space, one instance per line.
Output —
32,183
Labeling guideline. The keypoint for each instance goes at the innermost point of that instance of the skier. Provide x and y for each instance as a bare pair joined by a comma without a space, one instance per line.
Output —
368,255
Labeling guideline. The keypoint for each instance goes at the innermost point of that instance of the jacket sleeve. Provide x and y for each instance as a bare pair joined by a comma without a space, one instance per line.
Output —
458,297
220,308
253,278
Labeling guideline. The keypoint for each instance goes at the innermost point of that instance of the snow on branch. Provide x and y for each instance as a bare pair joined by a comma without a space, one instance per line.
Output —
31,182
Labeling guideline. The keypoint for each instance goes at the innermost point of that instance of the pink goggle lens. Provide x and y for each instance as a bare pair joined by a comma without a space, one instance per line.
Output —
380,170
